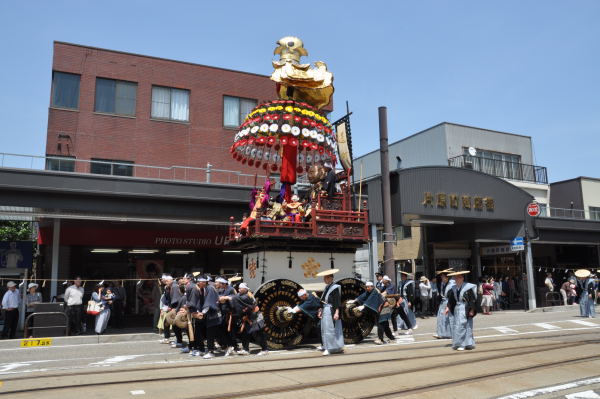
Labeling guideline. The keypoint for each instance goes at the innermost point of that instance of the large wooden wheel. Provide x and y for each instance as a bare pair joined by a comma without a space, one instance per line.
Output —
272,297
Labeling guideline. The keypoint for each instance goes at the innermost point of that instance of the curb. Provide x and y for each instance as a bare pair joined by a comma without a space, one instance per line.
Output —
561,308
91,339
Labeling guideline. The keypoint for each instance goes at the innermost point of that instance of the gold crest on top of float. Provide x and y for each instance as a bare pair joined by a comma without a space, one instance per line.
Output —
297,81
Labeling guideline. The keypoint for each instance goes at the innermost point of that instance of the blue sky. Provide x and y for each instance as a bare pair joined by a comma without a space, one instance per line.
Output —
526,67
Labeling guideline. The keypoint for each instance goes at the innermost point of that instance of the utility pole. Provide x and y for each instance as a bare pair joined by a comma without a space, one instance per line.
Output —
388,234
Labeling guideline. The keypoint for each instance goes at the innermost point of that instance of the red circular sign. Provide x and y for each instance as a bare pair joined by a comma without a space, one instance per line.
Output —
533,209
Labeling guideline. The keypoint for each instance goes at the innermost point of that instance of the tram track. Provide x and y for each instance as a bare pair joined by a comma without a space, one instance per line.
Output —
482,377
393,348
518,351
353,379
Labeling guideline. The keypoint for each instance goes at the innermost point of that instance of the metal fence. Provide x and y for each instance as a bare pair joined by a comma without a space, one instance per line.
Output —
501,168
567,213
209,174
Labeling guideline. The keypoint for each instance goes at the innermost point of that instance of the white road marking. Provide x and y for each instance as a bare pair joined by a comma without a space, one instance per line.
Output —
547,326
505,330
551,389
174,358
583,395
584,323
138,392
12,366
113,360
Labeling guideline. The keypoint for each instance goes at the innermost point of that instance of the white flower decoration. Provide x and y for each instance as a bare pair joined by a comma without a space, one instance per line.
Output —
313,134
320,138
254,129
273,128
286,128
264,128
295,130
305,132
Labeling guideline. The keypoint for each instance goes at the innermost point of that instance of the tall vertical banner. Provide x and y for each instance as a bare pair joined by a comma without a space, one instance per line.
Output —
344,141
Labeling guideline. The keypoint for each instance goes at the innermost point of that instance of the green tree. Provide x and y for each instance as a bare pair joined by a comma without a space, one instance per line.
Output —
12,230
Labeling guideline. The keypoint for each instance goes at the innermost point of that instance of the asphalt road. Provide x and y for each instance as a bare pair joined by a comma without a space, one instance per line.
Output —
516,352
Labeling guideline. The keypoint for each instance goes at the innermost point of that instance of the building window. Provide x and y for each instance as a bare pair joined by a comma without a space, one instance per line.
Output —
65,90
236,109
497,164
115,96
111,167
403,232
594,213
400,233
60,163
171,104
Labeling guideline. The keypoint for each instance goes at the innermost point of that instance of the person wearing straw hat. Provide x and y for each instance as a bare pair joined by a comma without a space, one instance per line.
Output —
587,293
462,302
406,289
32,297
376,306
10,304
425,295
444,320
332,336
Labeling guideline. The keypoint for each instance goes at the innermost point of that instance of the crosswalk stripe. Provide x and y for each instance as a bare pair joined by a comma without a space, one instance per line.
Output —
583,395
551,389
584,323
547,326
505,330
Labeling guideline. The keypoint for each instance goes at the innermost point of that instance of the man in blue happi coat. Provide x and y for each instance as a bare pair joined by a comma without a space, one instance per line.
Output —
332,336
587,294
444,322
406,290
462,304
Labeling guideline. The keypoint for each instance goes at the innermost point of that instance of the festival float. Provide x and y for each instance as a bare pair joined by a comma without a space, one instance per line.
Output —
304,218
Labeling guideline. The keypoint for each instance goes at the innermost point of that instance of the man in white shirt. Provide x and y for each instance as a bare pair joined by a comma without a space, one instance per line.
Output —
74,302
10,304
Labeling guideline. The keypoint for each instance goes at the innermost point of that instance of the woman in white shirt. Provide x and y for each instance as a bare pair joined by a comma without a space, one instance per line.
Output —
425,292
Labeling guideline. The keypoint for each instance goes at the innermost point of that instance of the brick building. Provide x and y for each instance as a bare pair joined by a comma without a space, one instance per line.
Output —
121,110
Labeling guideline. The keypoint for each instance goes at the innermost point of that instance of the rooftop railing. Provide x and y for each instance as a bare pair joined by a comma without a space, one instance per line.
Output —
568,213
209,174
500,168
